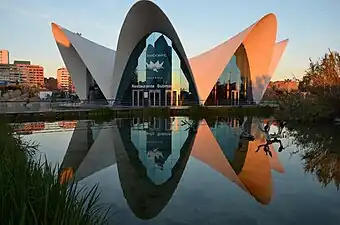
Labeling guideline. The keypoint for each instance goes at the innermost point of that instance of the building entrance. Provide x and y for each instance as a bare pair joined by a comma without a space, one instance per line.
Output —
168,98
154,98
137,98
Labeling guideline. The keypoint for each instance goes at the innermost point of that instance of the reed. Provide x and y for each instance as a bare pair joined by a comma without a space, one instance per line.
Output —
32,192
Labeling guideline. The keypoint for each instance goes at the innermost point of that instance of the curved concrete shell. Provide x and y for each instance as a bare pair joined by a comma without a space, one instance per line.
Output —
143,18
258,41
279,49
260,55
79,55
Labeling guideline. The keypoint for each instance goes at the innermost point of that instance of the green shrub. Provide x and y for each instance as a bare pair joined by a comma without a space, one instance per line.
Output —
32,192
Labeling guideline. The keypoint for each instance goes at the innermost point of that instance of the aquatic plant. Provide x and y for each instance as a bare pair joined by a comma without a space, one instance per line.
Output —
32,192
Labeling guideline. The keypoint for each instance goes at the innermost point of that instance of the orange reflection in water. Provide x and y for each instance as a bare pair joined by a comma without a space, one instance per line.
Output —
66,175
255,176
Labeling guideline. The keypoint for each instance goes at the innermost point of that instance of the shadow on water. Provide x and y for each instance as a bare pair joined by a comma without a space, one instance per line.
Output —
151,154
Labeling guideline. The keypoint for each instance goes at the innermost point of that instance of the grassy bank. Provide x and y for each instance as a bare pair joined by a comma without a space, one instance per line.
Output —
32,192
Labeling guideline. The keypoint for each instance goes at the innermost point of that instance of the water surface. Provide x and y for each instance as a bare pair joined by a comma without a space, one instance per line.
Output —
216,171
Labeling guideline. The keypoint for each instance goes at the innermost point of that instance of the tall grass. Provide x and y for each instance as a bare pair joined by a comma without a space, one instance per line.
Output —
31,191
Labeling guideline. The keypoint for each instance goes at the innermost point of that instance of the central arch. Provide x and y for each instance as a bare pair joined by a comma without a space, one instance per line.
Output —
143,19
155,75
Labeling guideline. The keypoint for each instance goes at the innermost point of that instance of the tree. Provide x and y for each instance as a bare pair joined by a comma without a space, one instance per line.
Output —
318,94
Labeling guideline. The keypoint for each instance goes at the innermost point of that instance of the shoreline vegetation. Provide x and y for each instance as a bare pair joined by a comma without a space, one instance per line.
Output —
318,96
33,192
195,112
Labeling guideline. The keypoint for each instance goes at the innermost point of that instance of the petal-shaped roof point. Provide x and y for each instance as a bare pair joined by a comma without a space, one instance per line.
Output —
59,35
96,58
279,49
258,40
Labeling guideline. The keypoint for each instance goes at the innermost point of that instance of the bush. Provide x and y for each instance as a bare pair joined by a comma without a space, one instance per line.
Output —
318,97
32,192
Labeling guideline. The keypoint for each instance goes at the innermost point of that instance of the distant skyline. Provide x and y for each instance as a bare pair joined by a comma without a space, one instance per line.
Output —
311,26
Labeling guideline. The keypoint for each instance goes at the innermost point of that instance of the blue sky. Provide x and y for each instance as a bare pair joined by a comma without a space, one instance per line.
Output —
312,26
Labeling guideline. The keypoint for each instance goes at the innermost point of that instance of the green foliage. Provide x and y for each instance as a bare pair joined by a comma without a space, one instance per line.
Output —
318,97
32,192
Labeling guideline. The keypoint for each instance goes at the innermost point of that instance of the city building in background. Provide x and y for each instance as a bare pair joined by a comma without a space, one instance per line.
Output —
10,73
31,75
64,80
285,85
151,68
4,56
276,87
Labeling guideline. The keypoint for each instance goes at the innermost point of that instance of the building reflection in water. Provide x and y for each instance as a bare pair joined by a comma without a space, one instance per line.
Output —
220,145
151,155
90,150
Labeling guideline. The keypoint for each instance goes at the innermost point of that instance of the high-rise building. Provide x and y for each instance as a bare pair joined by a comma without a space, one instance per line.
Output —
10,73
4,56
64,80
37,75
32,75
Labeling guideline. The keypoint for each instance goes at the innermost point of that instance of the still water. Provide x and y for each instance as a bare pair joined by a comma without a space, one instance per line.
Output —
180,171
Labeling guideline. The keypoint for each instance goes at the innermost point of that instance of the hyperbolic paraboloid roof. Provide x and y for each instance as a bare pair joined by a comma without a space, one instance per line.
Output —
107,66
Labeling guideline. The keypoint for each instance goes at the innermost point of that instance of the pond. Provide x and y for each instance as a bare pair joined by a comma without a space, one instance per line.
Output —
219,171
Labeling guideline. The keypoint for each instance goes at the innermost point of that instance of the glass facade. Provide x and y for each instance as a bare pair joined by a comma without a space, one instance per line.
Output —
95,94
230,135
234,85
155,76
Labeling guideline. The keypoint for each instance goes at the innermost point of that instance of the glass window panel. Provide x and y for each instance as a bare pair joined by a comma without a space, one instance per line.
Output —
155,66
234,79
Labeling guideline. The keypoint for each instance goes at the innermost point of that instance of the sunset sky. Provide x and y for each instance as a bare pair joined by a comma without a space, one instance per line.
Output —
312,26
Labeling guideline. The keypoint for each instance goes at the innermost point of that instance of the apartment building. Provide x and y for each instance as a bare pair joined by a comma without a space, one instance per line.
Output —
32,75
64,80
10,73
4,56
